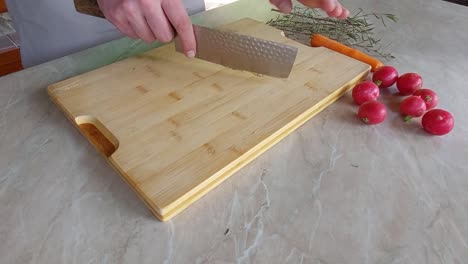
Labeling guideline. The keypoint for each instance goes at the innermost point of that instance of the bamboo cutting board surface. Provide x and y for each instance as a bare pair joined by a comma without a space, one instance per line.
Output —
175,128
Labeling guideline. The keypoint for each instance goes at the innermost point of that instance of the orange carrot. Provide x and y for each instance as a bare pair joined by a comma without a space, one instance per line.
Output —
318,40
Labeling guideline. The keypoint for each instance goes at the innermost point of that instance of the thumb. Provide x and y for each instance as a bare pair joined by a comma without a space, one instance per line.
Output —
285,6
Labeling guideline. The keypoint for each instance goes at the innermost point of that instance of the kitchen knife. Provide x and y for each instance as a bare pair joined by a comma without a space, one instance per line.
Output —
233,50
242,52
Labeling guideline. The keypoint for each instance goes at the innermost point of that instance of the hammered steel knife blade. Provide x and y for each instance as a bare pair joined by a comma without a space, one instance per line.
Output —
242,52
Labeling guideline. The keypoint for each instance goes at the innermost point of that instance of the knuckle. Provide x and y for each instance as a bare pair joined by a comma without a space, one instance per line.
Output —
118,21
128,7
165,38
182,25
147,36
117,14
146,3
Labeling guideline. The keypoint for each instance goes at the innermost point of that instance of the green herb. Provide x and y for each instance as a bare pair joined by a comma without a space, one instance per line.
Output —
356,31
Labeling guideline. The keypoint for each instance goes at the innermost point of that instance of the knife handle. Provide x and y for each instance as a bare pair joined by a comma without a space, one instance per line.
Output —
88,7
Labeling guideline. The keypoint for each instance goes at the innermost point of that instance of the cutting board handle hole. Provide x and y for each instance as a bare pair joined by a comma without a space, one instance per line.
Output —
97,134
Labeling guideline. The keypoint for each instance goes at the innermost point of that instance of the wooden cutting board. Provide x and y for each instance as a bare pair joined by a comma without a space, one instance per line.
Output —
175,128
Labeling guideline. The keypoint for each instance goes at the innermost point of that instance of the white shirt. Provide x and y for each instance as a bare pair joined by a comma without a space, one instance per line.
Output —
50,29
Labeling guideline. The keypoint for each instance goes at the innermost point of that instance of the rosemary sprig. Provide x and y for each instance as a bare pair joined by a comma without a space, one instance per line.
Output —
355,31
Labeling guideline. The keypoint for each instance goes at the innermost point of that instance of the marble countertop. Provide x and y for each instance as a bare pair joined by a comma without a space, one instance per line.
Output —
334,191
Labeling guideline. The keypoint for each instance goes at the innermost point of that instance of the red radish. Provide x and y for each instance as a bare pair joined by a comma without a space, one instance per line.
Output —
413,106
408,83
429,96
438,122
365,91
385,76
372,112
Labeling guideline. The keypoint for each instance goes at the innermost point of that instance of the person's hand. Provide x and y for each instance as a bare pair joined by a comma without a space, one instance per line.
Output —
151,20
332,7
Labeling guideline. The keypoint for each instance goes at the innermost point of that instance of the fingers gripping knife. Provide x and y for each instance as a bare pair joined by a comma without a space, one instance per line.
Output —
229,49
